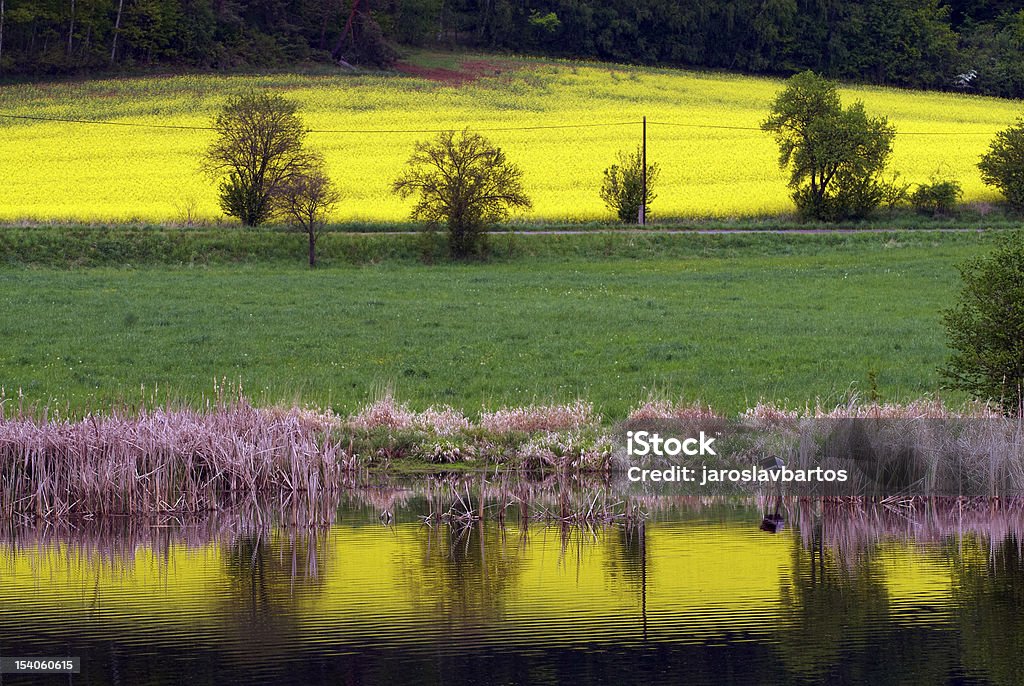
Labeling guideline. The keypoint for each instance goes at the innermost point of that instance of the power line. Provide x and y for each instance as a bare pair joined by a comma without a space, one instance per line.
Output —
755,128
100,122
705,126
105,123
537,127
485,129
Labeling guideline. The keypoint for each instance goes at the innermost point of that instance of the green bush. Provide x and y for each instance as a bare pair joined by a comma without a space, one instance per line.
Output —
937,198
986,327
1003,165
623,188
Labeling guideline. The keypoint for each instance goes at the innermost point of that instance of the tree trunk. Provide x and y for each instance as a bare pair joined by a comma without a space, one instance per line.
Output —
117,30
312,247
71,28
481,29
1,35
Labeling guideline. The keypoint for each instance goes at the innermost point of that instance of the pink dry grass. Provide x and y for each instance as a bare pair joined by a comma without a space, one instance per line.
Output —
655,410
535,418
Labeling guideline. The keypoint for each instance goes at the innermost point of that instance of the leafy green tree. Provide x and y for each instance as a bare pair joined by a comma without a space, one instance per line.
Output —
623,190
1003,165
259,149
835,156
148,28
464,182
986,327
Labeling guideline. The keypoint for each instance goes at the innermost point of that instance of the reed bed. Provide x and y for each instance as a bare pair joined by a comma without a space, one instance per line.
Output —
188,460
180,460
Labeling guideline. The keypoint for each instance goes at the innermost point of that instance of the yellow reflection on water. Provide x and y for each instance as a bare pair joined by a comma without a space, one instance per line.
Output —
408,583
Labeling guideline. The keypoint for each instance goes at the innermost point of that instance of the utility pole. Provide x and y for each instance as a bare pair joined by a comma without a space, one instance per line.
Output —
643,176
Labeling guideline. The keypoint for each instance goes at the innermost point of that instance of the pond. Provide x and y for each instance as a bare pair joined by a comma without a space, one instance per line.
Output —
474,580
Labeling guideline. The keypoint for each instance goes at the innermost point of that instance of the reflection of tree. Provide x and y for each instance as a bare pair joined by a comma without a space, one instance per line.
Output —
466,572
836,617
989,590
267,573
825,605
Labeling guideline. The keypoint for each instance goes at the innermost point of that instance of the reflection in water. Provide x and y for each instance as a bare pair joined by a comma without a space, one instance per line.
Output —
497,580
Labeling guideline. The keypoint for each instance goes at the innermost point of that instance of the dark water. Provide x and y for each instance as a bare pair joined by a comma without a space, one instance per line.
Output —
550,586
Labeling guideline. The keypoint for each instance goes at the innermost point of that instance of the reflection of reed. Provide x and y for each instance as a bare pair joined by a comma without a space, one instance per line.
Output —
458,501
850,525
574,505
116,539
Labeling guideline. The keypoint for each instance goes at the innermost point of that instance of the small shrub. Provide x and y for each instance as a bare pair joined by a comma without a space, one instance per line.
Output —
623,190
895,192
937,199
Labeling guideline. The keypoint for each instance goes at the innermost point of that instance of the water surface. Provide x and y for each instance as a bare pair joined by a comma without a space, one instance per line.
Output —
562,583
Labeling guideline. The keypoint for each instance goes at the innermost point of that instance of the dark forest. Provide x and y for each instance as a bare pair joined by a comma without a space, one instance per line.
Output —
972,45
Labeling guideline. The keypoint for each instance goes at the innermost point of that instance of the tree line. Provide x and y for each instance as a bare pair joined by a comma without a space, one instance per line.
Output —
973,45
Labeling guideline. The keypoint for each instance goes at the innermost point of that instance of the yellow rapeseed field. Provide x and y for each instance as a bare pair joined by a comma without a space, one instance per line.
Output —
88,172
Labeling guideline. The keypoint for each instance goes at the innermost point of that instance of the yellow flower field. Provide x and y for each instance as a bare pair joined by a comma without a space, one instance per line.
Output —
87,172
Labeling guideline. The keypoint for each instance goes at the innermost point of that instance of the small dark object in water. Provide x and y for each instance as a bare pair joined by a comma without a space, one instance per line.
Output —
773,523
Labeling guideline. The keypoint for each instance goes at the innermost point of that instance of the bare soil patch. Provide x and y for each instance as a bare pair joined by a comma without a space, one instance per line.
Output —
467,72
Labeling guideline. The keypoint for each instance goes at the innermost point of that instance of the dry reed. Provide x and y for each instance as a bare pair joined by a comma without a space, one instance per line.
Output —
186,460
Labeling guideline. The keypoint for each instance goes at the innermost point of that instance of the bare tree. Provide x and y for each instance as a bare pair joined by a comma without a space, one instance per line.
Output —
306,198
465,182
258,150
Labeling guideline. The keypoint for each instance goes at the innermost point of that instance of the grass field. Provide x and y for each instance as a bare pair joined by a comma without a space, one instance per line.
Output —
788,319
64,171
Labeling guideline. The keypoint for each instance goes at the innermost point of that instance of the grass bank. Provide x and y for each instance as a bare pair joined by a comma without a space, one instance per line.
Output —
611,319
74,246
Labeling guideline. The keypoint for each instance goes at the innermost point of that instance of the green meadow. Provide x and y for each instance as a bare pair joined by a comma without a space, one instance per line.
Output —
724,320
